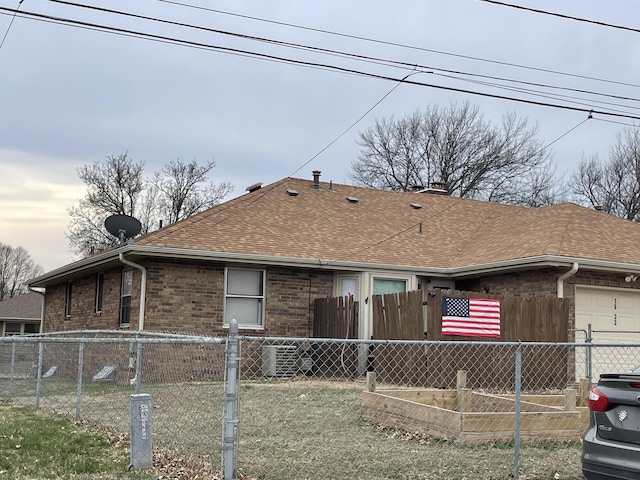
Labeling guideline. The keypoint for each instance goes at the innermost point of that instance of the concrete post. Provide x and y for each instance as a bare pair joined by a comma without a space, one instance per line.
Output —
141,431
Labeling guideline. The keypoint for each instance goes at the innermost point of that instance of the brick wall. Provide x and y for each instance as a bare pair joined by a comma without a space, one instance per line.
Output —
188,297
83,315
544,282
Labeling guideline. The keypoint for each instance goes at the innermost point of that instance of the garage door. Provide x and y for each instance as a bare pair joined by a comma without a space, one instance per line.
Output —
614,315
611,312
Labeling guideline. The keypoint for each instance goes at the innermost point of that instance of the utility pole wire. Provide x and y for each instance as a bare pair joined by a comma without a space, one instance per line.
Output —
10,23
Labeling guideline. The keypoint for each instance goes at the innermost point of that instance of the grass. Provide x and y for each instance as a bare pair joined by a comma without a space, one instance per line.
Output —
303,429
38,446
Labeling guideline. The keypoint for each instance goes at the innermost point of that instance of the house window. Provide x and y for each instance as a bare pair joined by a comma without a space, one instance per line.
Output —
348,285
125,296
244,297
382,286
11,328
99,291
67,299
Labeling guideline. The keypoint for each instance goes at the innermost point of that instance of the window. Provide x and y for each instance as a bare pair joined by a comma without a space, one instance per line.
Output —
11,328
244,297
125,296
382,286
99,291
67,299
347,285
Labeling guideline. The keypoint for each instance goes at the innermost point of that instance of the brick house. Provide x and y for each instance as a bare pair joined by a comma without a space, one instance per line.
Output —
264,257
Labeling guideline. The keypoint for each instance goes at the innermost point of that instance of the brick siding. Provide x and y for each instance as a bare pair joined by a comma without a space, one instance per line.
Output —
188,297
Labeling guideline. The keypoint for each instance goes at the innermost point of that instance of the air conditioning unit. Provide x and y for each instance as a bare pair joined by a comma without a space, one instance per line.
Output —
279,360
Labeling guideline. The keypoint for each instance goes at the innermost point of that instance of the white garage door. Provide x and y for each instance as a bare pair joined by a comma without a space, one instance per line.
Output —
614,315
611,312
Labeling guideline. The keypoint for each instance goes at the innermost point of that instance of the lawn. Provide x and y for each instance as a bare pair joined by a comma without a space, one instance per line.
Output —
303,428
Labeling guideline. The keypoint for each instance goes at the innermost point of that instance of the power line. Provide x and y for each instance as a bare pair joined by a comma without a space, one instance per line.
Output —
13,17
235,51
561,15
401,45
344,132
364,58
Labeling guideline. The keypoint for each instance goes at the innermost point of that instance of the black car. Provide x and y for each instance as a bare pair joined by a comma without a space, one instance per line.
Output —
611,443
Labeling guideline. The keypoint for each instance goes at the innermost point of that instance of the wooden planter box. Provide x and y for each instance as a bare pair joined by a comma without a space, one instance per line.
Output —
473,418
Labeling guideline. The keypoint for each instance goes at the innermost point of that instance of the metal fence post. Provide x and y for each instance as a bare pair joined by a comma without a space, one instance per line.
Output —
233,360
12,371
138,365
516,430
79,385
588,361
39,377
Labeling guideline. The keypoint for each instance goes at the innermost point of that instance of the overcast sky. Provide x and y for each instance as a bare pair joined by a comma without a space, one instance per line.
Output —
70,96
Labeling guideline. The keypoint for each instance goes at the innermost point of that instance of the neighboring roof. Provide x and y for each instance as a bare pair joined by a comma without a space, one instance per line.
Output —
292,222
27,307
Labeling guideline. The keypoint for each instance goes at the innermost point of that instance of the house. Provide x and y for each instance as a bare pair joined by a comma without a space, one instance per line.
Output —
264,257
21,315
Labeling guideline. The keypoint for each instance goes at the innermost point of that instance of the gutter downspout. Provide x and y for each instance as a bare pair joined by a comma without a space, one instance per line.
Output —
143,289
563,277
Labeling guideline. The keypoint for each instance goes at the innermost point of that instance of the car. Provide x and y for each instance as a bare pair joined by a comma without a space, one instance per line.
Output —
611,442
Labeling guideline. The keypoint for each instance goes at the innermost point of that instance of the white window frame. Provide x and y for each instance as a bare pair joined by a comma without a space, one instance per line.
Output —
259,325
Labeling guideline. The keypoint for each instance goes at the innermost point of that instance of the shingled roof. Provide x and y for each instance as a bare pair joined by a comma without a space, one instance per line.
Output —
299,222
23,307
331,223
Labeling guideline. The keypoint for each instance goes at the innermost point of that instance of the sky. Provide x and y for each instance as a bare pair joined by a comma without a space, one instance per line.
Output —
71,95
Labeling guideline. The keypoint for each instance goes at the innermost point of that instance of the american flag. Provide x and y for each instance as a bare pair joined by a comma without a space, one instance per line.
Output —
471,317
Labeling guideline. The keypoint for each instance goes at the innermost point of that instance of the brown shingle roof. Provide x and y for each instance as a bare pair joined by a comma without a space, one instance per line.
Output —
22,307
383,228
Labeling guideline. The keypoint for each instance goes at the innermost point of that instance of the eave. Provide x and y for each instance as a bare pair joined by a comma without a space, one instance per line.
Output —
137,252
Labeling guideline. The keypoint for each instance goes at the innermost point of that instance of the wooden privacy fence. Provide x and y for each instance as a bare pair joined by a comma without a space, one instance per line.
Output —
335,317
526,319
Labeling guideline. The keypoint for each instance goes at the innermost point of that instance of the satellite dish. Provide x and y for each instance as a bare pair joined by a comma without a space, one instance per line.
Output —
123,226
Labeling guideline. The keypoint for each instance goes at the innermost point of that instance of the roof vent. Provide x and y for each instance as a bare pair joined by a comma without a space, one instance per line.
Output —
416,188
598,208
254,187
316,178
352,200
416,206
292,193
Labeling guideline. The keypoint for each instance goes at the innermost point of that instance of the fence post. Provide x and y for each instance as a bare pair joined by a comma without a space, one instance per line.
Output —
516,429
79,383
12,371
588,366
138,365
231,421
39,377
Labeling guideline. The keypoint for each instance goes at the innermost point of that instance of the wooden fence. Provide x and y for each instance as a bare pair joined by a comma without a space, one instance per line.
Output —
400,317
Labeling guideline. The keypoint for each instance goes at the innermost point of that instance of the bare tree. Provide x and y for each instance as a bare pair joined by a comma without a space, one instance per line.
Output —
613,184
456,146
185,189
16,268
117,186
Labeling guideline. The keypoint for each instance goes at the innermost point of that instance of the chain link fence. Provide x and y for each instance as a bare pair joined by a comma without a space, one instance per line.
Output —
323,408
